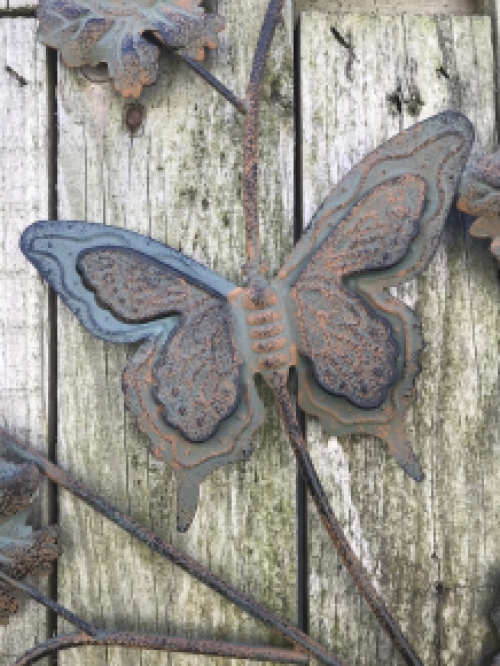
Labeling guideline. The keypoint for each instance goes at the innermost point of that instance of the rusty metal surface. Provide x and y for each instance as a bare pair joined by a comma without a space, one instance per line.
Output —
22,551
187,379
17,485
480,197
255,266
92,635
165,644
328,312
352,349
89,32
372,232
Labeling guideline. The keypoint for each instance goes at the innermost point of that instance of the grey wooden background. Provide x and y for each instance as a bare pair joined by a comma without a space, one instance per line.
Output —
432,549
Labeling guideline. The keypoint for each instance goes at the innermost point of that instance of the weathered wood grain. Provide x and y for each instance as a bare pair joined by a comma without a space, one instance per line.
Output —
390,6
431,548
18,7
491,8
178,180
23,298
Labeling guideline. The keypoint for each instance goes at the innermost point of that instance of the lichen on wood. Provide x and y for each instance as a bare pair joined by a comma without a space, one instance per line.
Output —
24,189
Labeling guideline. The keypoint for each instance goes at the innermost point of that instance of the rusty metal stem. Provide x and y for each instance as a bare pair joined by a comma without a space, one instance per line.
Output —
251,136
41,598
239,104
92,635
333,527
164,644
175,555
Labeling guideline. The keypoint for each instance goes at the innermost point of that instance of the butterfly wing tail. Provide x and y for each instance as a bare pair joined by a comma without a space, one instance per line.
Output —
403,452
188,493
191,461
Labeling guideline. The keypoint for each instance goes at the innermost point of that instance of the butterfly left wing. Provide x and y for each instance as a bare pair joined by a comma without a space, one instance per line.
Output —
359,346
186,383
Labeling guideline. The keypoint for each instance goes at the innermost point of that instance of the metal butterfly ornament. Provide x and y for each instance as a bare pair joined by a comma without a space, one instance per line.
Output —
328,312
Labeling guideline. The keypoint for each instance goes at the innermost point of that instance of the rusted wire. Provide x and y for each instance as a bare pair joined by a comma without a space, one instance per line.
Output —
163,644
251,138
92,635
239,104
86,627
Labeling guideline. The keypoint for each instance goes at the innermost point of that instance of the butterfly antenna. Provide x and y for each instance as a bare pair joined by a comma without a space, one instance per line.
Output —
255,266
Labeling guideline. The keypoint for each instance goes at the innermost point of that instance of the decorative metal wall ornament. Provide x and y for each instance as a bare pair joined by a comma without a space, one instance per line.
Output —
480,197
356,348
126,36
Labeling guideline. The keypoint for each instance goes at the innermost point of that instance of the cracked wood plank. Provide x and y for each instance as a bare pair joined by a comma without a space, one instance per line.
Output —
431,548
23,298
178,180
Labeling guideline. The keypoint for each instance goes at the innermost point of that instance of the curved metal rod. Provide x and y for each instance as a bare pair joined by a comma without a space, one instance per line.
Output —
93,635
251,137
39,597
334,529
161,643
175,555
239,104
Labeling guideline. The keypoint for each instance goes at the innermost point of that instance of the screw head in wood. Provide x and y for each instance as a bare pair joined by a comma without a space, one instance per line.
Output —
134,116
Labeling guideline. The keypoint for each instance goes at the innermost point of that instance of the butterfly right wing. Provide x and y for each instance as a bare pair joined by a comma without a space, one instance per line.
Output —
359,346
187,384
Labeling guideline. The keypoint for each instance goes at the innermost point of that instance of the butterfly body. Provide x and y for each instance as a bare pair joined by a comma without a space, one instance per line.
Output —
328,312
263,324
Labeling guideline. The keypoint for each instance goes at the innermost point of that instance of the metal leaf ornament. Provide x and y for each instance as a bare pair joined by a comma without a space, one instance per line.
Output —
89,32
480,197
22,551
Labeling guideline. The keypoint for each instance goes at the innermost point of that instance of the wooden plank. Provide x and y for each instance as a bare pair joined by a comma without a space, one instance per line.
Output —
178,180
491,8
390,6
18,7
23,299
430,548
